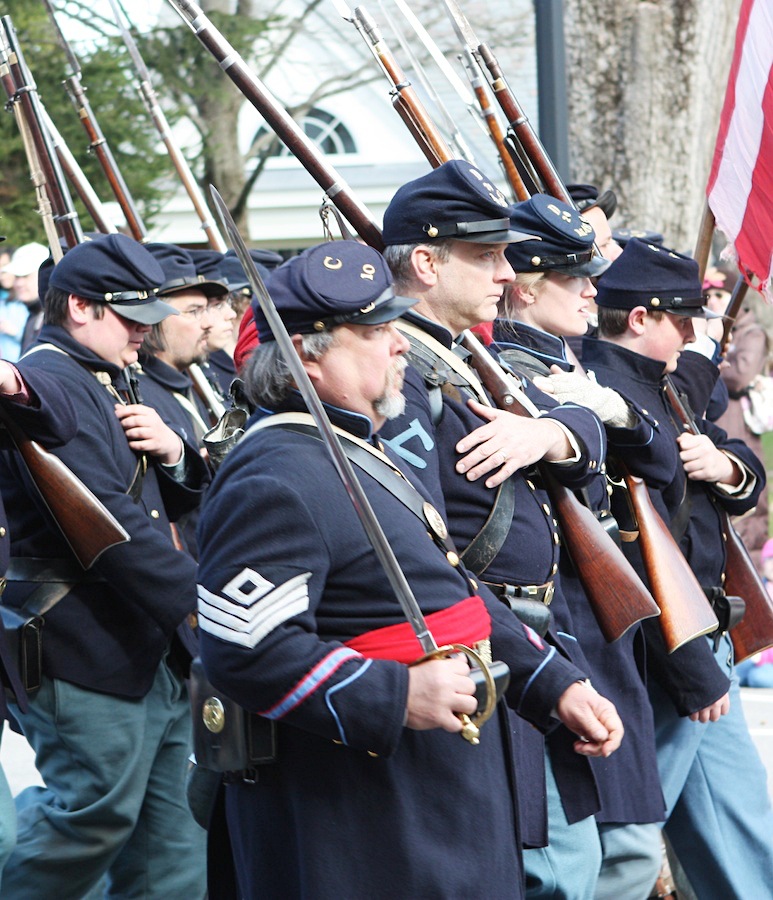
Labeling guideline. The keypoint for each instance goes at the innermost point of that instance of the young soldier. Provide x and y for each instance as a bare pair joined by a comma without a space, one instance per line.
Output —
110,724
373,792
646,301
446,235
551,299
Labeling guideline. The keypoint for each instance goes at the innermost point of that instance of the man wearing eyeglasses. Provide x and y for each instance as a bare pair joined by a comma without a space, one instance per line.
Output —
169,349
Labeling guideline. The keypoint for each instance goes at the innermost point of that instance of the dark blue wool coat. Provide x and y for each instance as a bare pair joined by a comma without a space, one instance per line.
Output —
110,635
356,805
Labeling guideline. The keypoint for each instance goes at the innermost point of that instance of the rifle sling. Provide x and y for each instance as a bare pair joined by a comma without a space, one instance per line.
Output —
374,463
443,372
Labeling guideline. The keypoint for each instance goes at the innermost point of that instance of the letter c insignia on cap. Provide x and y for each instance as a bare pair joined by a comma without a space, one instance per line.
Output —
330,263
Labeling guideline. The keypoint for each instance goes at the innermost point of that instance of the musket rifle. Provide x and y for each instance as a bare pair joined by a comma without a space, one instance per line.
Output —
291,134
535,166
64,214
617,595
404,97
356,493
754,632
150,99
97,142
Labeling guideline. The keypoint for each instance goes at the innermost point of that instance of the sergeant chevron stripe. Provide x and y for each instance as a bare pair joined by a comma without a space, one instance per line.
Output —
246,618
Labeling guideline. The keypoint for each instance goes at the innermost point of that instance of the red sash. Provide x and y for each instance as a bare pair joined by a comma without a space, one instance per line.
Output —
466,622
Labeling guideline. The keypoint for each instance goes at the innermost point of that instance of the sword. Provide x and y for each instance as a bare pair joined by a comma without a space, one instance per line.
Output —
365,513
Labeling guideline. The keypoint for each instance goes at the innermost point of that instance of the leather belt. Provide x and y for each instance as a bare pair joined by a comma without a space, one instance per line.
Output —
48,571
542,593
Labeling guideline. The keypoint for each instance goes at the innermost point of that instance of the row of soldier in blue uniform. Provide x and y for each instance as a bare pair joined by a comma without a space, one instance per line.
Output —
371,791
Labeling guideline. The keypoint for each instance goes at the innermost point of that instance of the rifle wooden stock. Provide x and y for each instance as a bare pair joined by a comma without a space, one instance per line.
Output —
277,118
400,104
685,612
85,523
754,633
755,630
617,595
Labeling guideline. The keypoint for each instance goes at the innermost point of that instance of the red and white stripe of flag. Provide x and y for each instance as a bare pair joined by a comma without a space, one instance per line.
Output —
740,188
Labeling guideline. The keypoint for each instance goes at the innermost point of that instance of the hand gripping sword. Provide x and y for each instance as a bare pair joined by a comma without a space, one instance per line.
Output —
481,672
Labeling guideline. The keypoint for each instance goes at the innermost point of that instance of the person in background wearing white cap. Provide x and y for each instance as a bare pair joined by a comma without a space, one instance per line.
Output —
110,723
13,313
24,266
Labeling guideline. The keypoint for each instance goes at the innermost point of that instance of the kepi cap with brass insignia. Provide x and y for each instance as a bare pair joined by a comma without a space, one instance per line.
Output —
563,239
457,201
332,284
654,277
181,272
117,270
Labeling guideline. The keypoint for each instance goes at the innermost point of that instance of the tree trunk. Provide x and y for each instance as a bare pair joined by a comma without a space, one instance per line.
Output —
646,86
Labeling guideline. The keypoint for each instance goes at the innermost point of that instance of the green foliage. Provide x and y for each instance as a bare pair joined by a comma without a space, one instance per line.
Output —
121,116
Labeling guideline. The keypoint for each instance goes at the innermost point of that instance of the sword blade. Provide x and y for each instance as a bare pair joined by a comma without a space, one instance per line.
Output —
343,466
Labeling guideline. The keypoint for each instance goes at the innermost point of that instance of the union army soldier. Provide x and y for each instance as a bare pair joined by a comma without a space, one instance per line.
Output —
551,300
372,792
175,344
647,300
110,724
446,235
40,406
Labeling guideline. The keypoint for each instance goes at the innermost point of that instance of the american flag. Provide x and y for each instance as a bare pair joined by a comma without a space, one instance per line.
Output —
740,187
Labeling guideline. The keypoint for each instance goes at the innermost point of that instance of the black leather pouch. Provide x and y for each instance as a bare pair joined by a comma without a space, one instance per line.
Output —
227,738
24,637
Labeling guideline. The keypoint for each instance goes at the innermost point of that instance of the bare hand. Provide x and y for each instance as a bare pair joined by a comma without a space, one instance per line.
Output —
507,443
714,712
147,433
702,460
593,718
437,690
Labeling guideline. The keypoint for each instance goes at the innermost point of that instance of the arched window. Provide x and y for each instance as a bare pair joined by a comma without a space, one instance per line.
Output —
326,130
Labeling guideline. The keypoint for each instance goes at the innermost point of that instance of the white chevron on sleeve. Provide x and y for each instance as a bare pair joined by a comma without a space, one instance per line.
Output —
247,625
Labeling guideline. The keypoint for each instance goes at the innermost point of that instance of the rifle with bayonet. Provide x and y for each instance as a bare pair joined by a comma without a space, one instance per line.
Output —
535,166
617,595
404,97
754,632
289,132
97,142
25,93
150,99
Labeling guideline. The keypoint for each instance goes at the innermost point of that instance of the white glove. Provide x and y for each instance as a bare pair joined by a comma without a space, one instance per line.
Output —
569,387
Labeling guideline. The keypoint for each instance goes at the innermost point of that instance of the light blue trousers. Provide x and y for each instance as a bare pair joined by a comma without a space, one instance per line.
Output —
567,869
114,805
715,785
7,818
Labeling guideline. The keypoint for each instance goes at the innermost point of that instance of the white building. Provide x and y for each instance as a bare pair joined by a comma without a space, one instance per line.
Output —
365,140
